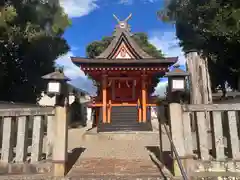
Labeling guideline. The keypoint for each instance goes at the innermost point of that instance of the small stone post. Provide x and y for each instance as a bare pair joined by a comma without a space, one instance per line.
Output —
60,141
178,139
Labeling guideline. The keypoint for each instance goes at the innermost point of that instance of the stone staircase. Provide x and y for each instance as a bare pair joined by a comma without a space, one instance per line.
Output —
122,157
111,168
124,118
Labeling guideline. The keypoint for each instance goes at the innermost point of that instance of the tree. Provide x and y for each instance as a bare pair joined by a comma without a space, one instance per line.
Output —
213,28
30,40
97,47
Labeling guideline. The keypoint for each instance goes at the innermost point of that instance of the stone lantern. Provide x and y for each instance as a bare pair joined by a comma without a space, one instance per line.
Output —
57,85
177,85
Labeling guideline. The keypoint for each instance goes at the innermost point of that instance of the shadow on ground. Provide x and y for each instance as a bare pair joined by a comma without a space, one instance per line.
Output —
165,158
73,157
160,167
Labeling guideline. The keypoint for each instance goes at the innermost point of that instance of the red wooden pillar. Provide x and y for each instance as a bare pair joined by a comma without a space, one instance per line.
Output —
144,99
139,110
104,98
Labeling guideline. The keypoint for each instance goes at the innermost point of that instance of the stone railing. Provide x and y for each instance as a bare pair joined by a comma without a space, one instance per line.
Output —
213,149
26,138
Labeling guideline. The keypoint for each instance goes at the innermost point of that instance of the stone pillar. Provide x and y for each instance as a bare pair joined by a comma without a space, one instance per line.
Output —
60,141
177,133
104,98
179,140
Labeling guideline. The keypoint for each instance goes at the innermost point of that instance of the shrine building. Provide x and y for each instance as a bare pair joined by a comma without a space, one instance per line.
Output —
125,74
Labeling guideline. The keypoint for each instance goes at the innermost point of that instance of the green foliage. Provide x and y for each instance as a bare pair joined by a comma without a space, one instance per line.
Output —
211,27
31,39
95,48
142,40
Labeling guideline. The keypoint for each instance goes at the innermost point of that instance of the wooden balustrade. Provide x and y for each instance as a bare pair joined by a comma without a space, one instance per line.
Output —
26,134
204,150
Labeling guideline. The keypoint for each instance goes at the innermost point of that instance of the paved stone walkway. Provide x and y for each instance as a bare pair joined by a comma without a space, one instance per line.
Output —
115,158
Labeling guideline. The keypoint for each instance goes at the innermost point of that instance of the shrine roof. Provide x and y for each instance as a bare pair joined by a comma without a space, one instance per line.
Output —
150,61
124,51
121,34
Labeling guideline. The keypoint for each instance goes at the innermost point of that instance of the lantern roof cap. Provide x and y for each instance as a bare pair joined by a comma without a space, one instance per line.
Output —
177,72
58,75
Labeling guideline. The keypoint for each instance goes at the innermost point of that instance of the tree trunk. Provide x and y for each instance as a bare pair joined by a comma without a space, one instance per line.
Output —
200,85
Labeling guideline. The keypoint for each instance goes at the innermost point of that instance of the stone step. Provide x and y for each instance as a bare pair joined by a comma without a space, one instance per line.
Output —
111,167
124,115
124,118
123,123
119,127
125,112
121,177
132,122
148,136
83,177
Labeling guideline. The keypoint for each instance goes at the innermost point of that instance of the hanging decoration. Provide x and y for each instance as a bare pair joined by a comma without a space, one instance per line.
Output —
119,84
109,83
127,83
135,83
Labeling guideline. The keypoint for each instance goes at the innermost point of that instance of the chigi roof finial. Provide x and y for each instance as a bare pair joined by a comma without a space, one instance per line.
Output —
123,24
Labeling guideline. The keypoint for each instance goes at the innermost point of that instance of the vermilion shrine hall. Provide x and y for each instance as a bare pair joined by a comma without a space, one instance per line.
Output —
125,73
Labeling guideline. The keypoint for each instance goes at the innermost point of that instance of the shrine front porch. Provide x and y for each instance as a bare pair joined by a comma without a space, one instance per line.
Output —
123,103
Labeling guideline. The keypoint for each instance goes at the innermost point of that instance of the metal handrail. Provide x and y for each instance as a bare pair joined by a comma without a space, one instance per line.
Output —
180,165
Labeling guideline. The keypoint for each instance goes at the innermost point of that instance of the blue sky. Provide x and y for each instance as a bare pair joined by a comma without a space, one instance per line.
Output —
93,19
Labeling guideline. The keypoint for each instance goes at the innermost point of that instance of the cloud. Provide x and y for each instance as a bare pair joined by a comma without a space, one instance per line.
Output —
126,2
70,70
77,76
149,1
160,90
130,2
168,43
78,8
74,48
84,84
